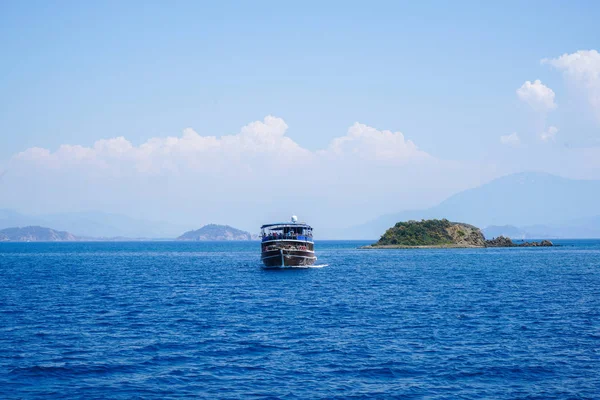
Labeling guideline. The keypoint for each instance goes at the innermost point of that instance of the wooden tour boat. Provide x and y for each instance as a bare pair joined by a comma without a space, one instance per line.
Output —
286,245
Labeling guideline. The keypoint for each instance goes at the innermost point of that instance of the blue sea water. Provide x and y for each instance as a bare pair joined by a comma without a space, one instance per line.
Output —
171,320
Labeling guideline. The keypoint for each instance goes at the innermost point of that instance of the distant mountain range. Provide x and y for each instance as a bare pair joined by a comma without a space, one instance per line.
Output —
522,206
34,234
217,232
509,231
546,205
581,228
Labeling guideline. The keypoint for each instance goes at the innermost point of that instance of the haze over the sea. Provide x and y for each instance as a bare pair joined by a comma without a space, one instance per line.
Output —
245,113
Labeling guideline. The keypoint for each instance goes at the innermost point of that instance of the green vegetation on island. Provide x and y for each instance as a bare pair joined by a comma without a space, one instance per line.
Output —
442,233
432,232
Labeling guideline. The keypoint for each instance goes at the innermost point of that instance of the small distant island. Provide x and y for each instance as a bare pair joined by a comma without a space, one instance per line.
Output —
210,232
35,234
217,232
441,233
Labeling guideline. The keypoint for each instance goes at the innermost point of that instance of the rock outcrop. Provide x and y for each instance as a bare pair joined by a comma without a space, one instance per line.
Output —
543,243
502,241
465,235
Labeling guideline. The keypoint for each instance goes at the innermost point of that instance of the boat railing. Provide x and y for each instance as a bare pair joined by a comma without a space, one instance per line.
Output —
288,247
289,236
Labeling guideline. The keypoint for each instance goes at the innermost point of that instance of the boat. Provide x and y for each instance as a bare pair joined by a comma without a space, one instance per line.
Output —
287,245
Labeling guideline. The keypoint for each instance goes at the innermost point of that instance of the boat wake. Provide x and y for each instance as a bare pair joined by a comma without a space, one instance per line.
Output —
294,267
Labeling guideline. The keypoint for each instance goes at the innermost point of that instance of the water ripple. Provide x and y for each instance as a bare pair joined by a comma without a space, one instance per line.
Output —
163,320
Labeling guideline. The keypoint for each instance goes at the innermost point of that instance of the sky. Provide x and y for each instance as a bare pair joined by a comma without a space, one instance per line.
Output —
246,112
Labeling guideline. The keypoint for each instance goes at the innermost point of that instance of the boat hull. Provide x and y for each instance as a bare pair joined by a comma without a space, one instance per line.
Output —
283,258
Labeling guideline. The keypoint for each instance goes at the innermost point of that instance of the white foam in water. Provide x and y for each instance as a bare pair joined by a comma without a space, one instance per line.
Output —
305,266
298,267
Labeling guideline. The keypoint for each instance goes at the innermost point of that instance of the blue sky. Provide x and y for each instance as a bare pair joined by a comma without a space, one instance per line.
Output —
445,74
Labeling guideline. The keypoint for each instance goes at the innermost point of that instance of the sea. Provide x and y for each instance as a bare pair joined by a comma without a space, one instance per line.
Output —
159,320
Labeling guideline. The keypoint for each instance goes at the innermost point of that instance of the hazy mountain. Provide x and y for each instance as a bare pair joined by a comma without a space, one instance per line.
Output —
509,231
524,199
580,228
538,205
34,234
217,232
10,218
93,224
528,232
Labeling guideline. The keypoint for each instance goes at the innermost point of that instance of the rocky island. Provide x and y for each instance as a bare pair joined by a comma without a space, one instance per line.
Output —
35,234
217,232
441,233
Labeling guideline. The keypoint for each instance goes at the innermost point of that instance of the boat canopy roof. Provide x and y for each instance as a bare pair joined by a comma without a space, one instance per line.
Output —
286,225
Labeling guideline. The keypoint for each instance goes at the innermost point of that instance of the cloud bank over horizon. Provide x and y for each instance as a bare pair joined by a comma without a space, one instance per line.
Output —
259,141
363,172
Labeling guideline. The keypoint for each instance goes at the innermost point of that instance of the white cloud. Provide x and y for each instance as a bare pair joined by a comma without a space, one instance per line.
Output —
581,68
369,143
537,95
34,154
549,134
258,139
510,140
258,144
